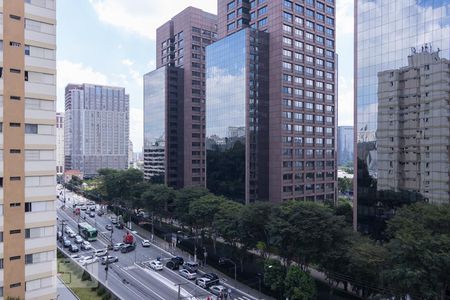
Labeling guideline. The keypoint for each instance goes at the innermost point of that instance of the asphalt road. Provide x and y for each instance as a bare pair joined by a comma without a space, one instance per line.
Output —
128,278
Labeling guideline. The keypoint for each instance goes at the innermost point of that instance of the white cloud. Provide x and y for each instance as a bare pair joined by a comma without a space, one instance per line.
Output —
137,128
346,101
70,72
142,17
127,62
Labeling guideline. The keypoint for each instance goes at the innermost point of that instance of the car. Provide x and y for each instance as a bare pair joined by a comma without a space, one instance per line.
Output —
72,234
114,220
118,246
175,262
109,259
92,214
78,239
145,243
76,256
59,235
88,260
66,243
73,248
85,245
225,261
128,248
207,280
67,229
100,213
92,208
119,226
156,265
218,290
190,266
109,227
187,274
100,252
84,207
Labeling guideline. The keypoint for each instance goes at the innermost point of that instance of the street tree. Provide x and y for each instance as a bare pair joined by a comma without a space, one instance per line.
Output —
299,285
419,252
183,199
274,276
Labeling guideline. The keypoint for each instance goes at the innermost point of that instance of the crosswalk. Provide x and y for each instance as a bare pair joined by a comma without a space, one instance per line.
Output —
241,298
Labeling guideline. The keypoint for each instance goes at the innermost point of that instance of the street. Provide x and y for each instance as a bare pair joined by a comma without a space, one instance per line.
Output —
128,277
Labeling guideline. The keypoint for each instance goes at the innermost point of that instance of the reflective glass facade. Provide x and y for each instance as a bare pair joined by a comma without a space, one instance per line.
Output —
236,98
155,123
399,51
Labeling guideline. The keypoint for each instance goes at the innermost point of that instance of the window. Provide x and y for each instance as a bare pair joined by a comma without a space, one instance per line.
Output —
31,128
231,26
287,29
262,11
288,4
38,232
287,41
38,284
15,231
231,5
262,22
287,17
39,26
231,16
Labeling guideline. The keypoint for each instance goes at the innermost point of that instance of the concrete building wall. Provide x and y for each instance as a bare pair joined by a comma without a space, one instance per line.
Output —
28,149
59,143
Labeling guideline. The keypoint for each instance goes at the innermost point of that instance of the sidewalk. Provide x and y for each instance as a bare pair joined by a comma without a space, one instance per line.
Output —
63,292
227,281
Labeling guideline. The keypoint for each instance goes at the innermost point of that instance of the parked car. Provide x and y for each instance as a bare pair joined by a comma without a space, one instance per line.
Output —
156,265
85,245
109,259
84,207
66,243
92,214
92,208
100,213
191,266
109,227
114,220
78,239
67,229
72,234
175,262
88,260
128,248
218,290
145,243
100,252
187,274
117,246
207,280
73,248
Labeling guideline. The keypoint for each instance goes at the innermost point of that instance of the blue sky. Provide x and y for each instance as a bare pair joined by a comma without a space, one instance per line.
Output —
112,42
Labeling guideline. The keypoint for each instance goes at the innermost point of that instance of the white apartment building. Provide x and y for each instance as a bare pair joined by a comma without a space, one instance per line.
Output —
28,149
413,136
59,143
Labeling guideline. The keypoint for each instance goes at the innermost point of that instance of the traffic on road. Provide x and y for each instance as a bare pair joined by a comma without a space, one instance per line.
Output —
130,265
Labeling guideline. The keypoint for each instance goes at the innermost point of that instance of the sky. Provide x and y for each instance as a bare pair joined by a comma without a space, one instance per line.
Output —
112,42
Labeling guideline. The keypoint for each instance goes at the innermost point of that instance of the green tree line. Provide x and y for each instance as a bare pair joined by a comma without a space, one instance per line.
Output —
415,260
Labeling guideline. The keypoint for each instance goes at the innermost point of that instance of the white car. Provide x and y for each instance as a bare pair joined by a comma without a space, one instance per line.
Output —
100,252
146,243
156,265
218,290
67,229
86,245
187,274
88,260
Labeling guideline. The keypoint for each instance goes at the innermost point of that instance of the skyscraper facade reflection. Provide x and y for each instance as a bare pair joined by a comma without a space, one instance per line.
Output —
393,39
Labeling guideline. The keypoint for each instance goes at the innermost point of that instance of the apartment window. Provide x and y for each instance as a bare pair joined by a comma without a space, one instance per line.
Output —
320,28
330,21
14,17
298,44
298,21
31,128
287,29
14,285
263,10
299,9
39,232
1,266
231,5
309,13
287,41
231,16
287,53
17,257
288,4
298,56
39,26
15,231
287,17
309,25
262,22
298,32
38,284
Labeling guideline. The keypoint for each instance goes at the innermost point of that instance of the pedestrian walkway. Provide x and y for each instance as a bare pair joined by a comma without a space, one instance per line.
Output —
226,280
63,292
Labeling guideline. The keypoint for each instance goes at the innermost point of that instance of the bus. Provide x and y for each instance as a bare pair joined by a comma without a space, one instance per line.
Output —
87,232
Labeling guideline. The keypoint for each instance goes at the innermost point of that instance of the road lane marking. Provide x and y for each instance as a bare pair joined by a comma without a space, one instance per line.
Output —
144,285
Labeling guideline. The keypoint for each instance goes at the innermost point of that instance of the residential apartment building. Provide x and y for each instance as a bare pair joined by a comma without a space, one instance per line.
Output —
96,128
345,143
298,118
398,37
59,143
180,51
413,128
130,154
28,146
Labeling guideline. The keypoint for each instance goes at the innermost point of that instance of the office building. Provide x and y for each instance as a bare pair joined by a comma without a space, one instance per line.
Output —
237,97
301,115
180,58
130,154
28,158
96,128
413,127
345,143
59,143
398,38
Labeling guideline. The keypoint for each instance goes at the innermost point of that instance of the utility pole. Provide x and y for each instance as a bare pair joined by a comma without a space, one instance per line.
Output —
179,288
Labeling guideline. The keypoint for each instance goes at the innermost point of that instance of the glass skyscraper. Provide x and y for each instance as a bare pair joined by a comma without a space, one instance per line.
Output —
401,132
236,116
